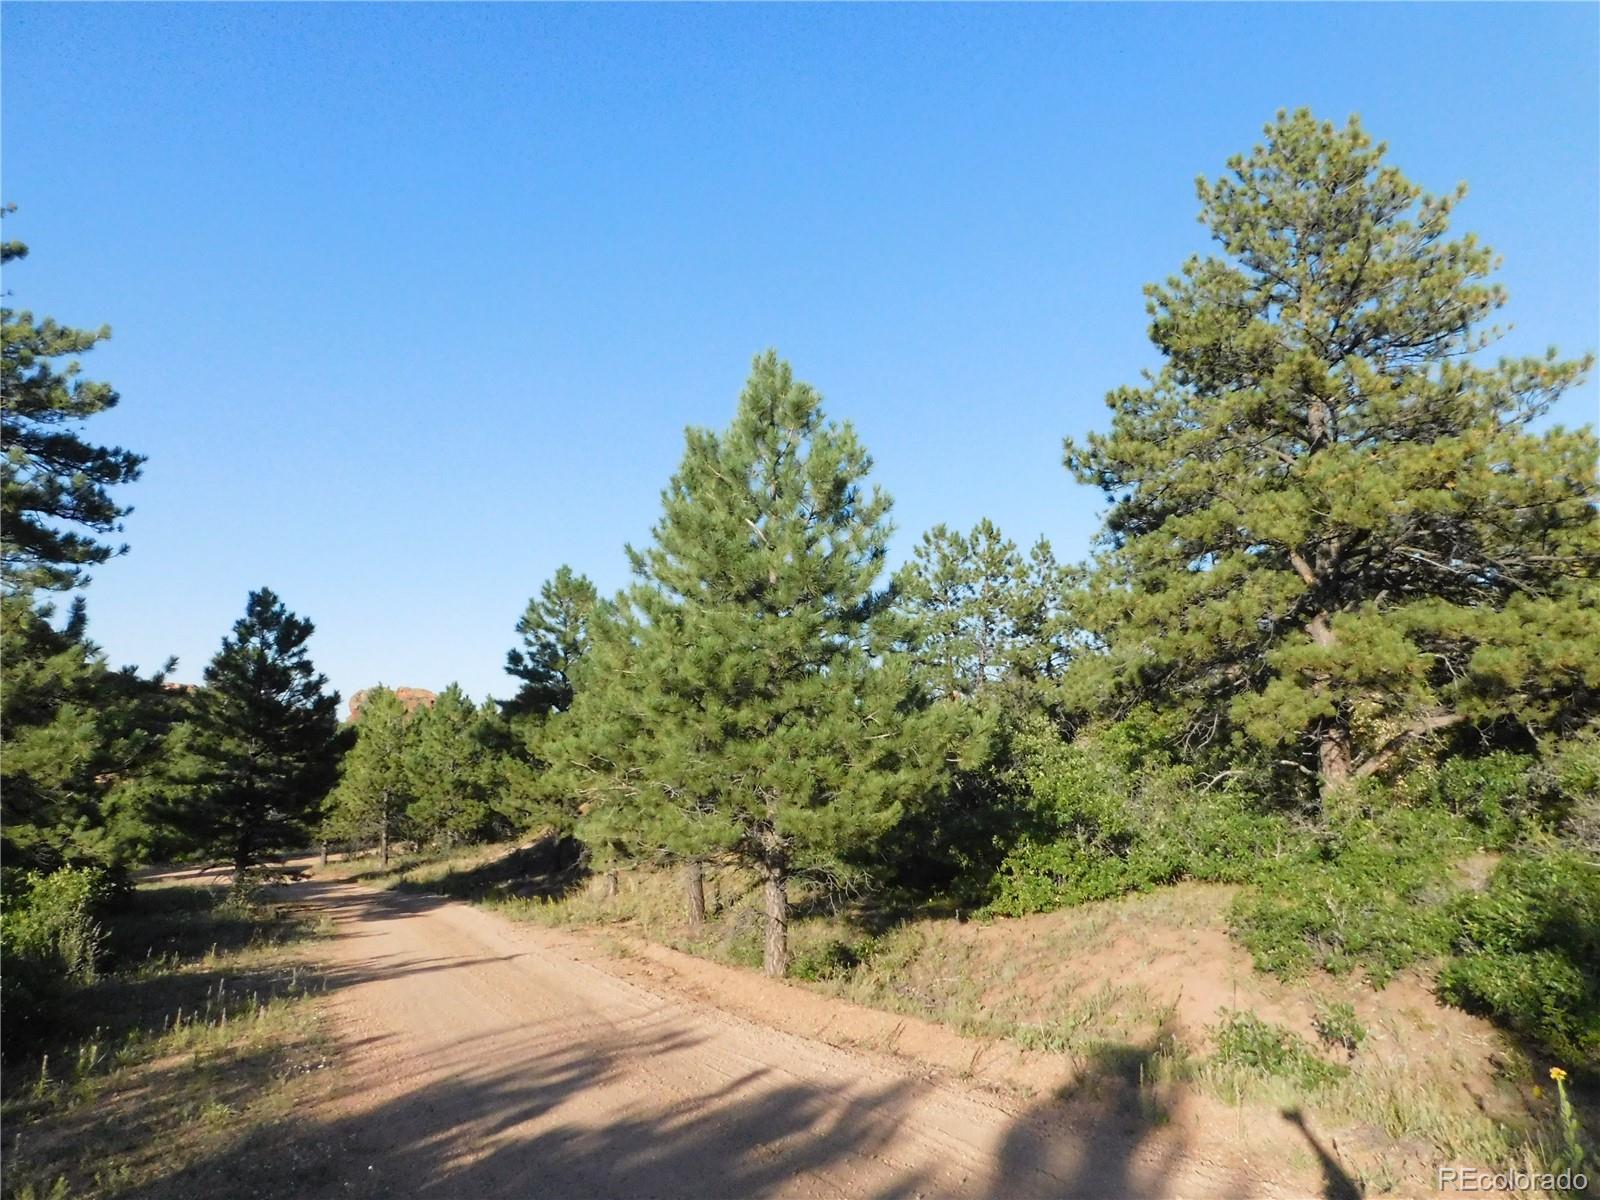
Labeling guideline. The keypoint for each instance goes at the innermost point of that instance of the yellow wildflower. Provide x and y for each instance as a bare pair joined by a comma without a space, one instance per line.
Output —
1559,1074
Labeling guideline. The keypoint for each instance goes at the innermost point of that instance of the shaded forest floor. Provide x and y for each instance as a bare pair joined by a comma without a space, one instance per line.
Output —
1045,1005
203,1029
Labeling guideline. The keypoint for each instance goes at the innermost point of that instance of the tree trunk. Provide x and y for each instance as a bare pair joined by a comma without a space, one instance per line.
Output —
611,885
324,853
1333,755
694,886
1333,734
716,894
775,961
243,855
383,840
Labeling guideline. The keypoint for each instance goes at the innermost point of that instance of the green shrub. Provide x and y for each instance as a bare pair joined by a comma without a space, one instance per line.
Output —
1527,951
1373,891
1338,1026
1573,771
50,942
833,959
1039,877
1495,792
1244,1042
1221,836
1112,815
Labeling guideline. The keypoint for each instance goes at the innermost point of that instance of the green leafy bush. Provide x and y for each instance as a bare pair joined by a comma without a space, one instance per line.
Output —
1374,883
1245,1042
1527,951
1114,815
833,959
1573,769
1373,891
1495,792
50,941
1222,836
1338,1026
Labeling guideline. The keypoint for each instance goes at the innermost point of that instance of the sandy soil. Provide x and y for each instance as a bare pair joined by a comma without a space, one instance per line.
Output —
485,1058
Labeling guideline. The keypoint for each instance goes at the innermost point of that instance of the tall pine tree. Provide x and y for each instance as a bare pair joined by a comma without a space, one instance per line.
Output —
265,742
1334,529
75,733
771,728
54,497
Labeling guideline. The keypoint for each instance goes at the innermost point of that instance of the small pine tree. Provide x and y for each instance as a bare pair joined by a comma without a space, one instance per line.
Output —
555,633
978,613
79,738
374,792
265,742
455,773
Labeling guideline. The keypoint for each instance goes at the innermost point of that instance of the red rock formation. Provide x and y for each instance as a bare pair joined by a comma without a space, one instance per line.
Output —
410,699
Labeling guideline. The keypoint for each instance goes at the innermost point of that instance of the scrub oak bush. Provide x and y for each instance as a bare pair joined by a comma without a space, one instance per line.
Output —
1526,951
1369,890
1497,793
1338,1027
1111,815
1246,1043
1375,880
51,941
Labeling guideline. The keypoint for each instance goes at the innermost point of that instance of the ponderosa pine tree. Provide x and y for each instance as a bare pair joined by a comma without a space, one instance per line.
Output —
773,730
980,613
264,745
370,802
75,733
455,771
554,632
596,782
77,736
54,497
1333,529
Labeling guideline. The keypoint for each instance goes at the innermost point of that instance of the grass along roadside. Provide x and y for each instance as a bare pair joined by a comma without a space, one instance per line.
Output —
203,1029
1147,994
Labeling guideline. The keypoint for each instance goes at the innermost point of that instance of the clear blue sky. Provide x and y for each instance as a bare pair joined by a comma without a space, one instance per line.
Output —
411,304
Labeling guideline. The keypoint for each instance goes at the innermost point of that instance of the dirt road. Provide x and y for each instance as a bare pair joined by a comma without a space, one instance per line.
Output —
486,1058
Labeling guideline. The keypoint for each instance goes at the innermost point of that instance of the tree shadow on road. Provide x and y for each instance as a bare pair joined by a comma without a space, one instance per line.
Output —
468,1134
570,1107
564,1121
550,868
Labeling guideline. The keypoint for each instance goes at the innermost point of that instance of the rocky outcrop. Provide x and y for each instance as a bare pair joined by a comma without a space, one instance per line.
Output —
410,698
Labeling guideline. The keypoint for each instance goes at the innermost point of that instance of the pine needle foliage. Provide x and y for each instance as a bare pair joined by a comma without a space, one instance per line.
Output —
1335,531
55,501
264,742
746,707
